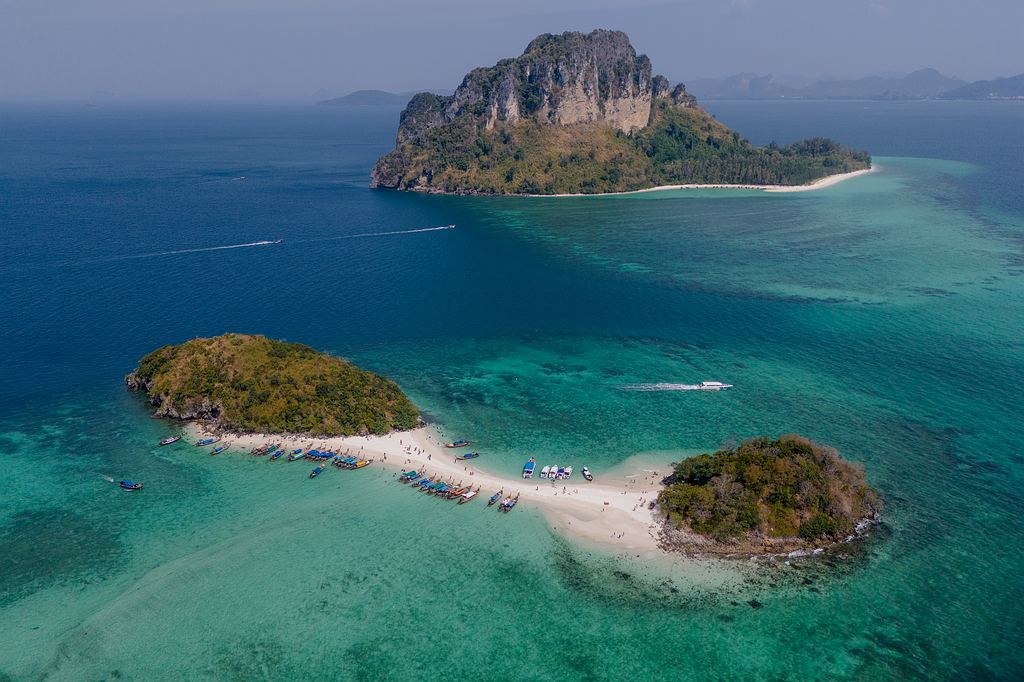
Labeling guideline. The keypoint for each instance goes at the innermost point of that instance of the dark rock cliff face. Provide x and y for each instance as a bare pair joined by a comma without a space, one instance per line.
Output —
565,79
583,114
204,409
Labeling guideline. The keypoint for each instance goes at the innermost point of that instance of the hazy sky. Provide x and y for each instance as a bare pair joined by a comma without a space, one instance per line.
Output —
292,48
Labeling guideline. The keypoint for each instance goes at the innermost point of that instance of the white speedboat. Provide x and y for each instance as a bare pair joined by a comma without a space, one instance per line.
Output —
568,472
587,475
713,386
544,472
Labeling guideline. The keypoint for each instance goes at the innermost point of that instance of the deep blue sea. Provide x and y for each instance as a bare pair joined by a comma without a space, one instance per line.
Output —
882,316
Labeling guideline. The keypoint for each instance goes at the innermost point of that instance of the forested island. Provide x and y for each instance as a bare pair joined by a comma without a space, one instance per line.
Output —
765,496
583,113
252,384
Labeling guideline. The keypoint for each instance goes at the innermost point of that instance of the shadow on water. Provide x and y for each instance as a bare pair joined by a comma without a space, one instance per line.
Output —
46,547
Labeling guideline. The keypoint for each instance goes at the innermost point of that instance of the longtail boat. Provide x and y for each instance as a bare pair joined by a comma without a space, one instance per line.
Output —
407,476
511,503
130,485
461,443
220,448
206,441
469,495
317,471
362,463
296,456
495,497
277,455
468,455
170,439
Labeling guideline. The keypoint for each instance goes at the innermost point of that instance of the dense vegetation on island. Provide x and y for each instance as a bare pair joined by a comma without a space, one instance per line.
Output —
680,146
786,489
250,383
583,114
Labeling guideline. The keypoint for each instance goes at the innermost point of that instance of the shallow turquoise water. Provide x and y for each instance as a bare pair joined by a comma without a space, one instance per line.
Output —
882,315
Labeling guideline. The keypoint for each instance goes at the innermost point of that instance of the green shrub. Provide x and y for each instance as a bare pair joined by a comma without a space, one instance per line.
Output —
778,488
263,384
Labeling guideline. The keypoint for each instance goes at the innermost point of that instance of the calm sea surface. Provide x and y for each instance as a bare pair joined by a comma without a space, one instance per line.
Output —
883,316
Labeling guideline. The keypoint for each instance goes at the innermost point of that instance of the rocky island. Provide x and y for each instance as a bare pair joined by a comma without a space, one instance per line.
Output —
765,496
246,383
583,114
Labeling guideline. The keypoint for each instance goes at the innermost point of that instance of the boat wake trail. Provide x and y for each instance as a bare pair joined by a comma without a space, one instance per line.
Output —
265,242
661,387
377,234
246,245
136,256
106,478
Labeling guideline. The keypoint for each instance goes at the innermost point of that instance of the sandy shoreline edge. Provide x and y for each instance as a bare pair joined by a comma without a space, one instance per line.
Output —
820,183
611,512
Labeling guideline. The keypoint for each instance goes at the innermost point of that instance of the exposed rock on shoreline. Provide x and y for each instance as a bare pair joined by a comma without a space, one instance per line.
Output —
765,497
252,384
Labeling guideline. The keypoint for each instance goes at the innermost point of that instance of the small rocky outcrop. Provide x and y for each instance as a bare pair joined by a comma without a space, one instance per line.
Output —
249,383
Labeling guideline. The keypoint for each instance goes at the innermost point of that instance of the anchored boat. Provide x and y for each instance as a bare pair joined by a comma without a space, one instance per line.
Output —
495,497
411,475
220,448
508,503
170,439
587,475
129,485
206,441
529,467
468,455
317,471
461,443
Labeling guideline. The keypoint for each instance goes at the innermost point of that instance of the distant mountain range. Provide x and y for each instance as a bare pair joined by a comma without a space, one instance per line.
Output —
370,98
921,84
1000,88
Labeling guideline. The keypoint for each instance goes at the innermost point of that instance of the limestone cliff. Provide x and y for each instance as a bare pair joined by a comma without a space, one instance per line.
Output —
574,113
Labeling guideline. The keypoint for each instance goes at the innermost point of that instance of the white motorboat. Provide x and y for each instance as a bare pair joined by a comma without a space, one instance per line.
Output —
713,386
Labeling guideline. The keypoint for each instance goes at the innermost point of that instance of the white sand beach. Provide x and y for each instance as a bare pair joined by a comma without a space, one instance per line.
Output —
820,183
611,510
